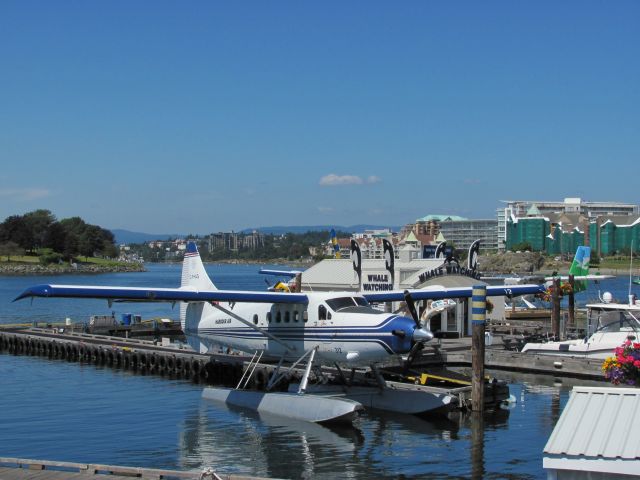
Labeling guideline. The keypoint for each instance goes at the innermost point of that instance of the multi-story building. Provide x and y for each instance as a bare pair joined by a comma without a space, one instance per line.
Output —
563,233
462,233
224,241
515,209
458,231
234,241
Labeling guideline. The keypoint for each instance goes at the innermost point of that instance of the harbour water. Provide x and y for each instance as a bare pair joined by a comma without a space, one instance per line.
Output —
55,410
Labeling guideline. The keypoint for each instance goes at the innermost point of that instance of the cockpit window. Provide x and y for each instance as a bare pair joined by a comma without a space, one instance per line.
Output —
351,304
337,304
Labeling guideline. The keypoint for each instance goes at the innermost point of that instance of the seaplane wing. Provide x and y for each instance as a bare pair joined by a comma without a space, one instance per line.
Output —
565,278
462,292
136,294
280,273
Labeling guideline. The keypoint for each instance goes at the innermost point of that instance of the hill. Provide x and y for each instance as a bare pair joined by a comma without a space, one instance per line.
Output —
279,230
127,236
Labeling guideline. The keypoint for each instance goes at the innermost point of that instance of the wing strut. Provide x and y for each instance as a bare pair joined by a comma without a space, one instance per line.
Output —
255,327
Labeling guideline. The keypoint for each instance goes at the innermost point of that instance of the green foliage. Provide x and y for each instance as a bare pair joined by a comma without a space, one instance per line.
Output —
69,237
10,249
290,246
49,258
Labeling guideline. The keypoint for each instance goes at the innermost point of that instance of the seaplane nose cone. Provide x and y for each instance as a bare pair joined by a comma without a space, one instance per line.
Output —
422,335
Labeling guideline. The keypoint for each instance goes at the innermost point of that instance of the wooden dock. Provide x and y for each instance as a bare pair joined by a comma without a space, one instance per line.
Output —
457,352
27,469
129,354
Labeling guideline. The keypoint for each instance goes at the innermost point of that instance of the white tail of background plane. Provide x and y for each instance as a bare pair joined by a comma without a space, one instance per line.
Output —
194,277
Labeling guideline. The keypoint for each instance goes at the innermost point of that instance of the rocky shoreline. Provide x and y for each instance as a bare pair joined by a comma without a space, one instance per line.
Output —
11,269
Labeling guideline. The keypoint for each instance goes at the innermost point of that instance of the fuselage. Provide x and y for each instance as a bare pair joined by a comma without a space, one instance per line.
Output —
342,325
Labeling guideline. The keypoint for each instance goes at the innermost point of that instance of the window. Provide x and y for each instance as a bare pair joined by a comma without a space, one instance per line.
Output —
361,301
305,316
322,312
287,316
278,316
337,304
269,317
295,315
255,318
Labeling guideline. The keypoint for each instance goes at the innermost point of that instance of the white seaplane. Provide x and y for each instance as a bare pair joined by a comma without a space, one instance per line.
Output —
328,328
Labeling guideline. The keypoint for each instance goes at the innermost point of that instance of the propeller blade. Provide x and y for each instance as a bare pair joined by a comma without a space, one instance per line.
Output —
412,355
412,308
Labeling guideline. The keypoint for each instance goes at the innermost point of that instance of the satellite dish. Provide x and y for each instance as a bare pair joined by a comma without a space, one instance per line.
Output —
607,297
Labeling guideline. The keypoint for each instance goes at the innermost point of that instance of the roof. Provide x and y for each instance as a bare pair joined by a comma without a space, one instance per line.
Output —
411,237
533,211
440,218
338,274
621,220
599,430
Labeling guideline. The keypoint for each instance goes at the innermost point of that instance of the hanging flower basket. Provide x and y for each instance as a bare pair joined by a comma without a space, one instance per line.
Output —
489,306
547,295
624,366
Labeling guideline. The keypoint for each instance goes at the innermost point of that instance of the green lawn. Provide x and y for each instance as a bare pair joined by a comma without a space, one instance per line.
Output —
30,259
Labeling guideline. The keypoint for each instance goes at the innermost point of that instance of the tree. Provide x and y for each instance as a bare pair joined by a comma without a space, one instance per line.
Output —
10,248
38,223
15,229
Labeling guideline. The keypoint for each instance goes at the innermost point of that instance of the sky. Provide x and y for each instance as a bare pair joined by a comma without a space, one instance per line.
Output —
206,116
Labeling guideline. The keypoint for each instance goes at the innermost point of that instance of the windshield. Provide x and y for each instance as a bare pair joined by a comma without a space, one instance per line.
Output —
614,321
337,304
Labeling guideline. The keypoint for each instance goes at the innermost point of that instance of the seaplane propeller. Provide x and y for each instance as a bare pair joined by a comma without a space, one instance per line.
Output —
420,334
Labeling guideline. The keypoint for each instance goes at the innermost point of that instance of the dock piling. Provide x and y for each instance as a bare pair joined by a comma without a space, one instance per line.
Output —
478,320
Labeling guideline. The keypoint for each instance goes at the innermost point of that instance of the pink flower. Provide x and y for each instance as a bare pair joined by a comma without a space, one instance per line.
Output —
636,364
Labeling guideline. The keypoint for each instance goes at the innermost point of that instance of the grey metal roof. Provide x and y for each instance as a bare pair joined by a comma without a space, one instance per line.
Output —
598,422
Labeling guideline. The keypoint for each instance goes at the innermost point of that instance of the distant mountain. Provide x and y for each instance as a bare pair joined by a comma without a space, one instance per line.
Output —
126,236
279,230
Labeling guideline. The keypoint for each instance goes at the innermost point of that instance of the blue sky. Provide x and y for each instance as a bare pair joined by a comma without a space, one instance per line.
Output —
195,117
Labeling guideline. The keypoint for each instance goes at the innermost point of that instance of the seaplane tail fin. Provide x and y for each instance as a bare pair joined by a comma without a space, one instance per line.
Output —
194,277
580,267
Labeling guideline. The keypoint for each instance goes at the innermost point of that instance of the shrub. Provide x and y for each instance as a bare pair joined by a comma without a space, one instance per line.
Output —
49,258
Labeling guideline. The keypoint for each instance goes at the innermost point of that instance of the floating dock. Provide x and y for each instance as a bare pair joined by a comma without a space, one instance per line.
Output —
27,469
457,353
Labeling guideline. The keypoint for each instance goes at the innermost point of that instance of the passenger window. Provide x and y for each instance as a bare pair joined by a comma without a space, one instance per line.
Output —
287,317
278,317
295,315
305,316
269,317
322,312
255,318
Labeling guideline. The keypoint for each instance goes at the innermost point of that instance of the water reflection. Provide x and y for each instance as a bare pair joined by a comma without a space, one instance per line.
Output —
278,447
